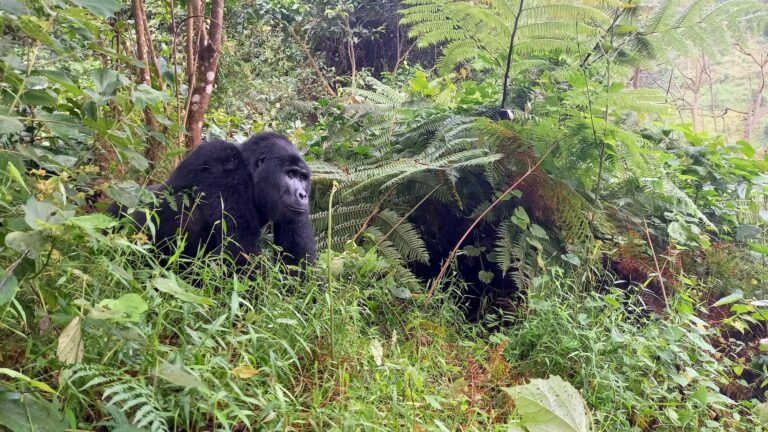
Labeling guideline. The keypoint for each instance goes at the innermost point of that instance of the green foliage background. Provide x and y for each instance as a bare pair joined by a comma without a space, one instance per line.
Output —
629,259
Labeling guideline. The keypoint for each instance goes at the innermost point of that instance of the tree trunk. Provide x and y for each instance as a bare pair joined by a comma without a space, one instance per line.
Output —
206,62
696,112
143,48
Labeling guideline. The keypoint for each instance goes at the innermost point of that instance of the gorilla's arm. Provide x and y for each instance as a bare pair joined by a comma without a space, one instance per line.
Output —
297,238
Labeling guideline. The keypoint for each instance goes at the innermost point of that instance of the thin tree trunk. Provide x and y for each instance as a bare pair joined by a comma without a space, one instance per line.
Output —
137,7
207,59
152,150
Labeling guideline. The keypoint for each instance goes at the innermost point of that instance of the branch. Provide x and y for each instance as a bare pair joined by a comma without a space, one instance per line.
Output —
312,62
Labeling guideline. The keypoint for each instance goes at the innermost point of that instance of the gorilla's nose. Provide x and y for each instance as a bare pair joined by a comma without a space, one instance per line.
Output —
302,195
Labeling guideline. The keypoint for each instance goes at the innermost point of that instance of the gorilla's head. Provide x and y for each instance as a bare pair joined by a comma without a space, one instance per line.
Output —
281,176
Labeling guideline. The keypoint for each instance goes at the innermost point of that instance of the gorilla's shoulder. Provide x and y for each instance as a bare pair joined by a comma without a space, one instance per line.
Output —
208,163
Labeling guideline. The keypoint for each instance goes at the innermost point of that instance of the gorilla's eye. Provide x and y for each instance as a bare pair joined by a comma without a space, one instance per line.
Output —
292,173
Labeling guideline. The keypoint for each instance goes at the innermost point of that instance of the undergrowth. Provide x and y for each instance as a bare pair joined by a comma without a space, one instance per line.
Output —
195,347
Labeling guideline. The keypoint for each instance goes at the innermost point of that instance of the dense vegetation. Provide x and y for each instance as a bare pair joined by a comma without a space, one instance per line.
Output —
533,215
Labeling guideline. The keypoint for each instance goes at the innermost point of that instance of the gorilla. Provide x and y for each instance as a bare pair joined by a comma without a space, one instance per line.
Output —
236,190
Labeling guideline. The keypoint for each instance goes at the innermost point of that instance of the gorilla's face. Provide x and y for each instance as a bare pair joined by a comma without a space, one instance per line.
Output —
282,177
294,186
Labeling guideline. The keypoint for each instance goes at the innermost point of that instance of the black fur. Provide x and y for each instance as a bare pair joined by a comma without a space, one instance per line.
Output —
231,192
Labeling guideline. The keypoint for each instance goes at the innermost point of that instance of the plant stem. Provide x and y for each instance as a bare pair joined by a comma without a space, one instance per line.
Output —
505,91
334,188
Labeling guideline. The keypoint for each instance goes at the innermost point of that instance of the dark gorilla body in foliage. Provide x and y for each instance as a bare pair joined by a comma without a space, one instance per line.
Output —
237,189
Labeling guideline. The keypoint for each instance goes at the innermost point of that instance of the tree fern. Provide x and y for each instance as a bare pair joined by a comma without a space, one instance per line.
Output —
480,31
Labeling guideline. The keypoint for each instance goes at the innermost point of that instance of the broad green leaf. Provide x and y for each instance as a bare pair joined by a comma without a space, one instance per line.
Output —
28,412
551,405
177,375
8,287
171,286
520,218
571,258
128,307
9,125
33,242
538,231
102,8
92,221
70,348
62,79
37,213
38,98
145,95
107,81
63,125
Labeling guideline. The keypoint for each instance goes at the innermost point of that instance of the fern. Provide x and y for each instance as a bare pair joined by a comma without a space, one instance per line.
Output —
479,32
128,393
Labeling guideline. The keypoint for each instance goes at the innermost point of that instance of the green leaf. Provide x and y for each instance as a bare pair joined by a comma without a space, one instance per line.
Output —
550,405
729,299
759,248
37,213
746,148
107,81
38,98
485,277
102,8
9,125
177,375
520,218
27,380
34,242
16,175
28,412
400,292
127,308
538,231
171,286
571,258
8,287
93,221
64,126
145,95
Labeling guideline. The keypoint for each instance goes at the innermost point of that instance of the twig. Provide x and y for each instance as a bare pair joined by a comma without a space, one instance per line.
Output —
655,262
402,219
